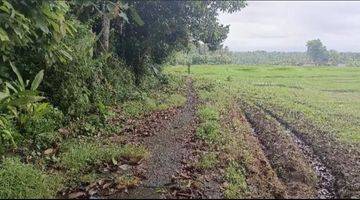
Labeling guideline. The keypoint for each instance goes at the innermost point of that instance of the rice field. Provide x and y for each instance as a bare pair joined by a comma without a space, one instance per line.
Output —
327,96
305,120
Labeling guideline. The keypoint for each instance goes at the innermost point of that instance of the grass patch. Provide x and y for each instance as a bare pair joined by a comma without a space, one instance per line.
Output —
237,186
136,108
127,181
330,94
132,153
18,180
176,100
133,108
209,131
80,157
162,96
207,161
207,113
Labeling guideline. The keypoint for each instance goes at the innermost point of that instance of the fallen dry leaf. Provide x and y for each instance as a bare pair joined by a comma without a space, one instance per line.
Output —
124,167
76,195
49,151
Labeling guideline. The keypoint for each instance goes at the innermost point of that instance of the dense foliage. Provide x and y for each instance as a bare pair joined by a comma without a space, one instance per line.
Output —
64,63
67,60
93,51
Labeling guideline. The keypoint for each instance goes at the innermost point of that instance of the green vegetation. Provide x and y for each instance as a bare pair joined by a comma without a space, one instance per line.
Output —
209,128
206,113
317,52
216,128
321,103
18,180
209,131
171,95
326,96
76,157
24,119
93,66
317,55
237,183
77,76
207,161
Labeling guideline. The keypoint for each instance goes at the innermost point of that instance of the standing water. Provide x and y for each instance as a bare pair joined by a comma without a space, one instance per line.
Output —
326,181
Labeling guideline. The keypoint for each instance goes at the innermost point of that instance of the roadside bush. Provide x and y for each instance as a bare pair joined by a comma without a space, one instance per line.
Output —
9,134
67,83
23,117
42,126
77,85
18,180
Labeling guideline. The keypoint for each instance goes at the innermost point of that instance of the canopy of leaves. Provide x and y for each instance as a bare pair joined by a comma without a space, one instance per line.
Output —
317,51
169,26
31,32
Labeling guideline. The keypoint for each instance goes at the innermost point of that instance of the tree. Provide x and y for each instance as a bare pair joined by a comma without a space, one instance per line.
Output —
101,13
169,26
334,57
31,34
317,52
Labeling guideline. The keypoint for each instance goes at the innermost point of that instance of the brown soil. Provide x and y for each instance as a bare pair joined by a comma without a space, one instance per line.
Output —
261,179
341,158
279,160
285,156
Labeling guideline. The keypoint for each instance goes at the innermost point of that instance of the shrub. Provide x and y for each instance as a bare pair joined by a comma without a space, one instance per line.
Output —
67,84
18,180
23,114
43,124
8,133
78,85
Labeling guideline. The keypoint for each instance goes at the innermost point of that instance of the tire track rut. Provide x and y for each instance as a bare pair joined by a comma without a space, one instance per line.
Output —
326,180
290,156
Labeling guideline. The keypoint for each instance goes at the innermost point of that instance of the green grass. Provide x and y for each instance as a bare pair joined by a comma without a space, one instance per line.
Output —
237,186
328,97
158,98
209,131
19,180
80,157
207,161
207,113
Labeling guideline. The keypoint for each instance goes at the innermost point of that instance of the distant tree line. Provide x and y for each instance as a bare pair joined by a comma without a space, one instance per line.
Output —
316,54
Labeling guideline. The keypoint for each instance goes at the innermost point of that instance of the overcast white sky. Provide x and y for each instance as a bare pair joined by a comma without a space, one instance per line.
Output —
286,26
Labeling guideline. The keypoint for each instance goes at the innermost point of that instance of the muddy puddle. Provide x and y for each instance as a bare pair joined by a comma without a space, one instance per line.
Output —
326,181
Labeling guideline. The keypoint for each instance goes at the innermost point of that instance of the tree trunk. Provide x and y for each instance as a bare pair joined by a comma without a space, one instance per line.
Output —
105,29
